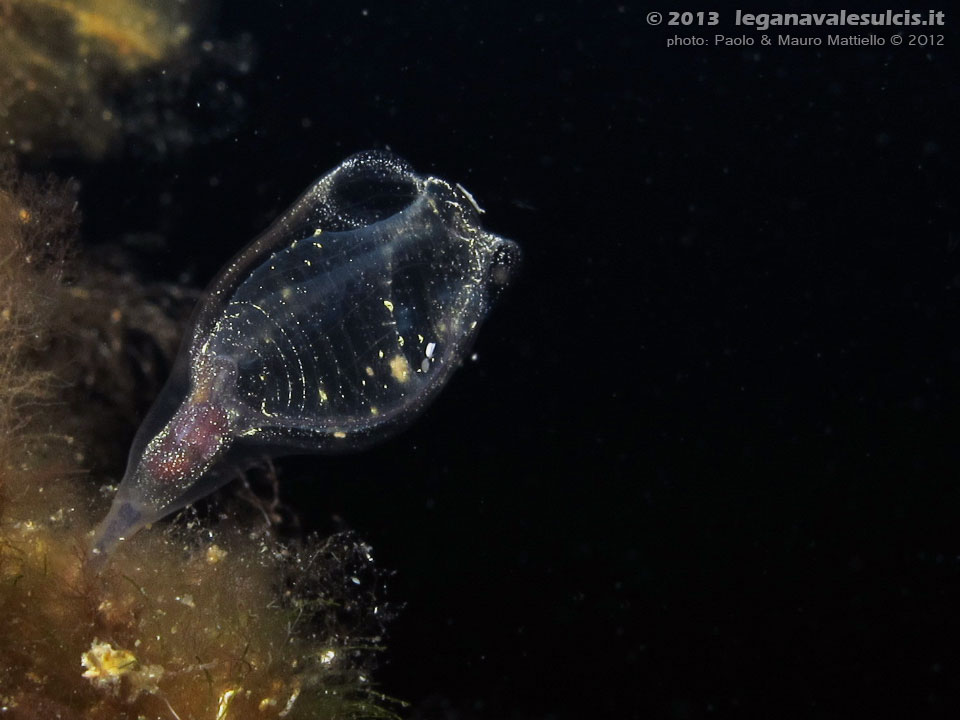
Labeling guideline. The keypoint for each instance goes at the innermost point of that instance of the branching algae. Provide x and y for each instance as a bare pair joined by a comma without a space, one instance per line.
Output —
332,329
213,620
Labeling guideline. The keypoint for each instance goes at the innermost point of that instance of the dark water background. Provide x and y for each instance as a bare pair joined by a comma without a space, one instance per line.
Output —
706,461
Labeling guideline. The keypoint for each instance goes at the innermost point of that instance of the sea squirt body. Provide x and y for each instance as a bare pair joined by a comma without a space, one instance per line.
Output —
331,330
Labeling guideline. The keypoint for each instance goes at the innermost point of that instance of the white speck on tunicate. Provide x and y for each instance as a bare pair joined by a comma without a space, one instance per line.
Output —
470,198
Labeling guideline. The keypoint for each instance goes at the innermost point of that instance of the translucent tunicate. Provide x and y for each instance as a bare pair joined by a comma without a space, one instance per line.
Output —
331,330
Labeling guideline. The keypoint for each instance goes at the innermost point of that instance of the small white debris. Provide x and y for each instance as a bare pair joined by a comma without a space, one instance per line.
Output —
473,202
289,706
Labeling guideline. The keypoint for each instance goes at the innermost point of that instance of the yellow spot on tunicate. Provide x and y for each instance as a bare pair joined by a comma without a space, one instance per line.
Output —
201,393
388,305
24,215
215,554
400,368
340,434
374,411
286,293
307,263
266,704
316,233
400,340
223,704
323,394
420,337
380,354
369,371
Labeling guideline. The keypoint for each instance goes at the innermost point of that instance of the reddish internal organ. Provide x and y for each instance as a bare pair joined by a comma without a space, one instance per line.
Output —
189,443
